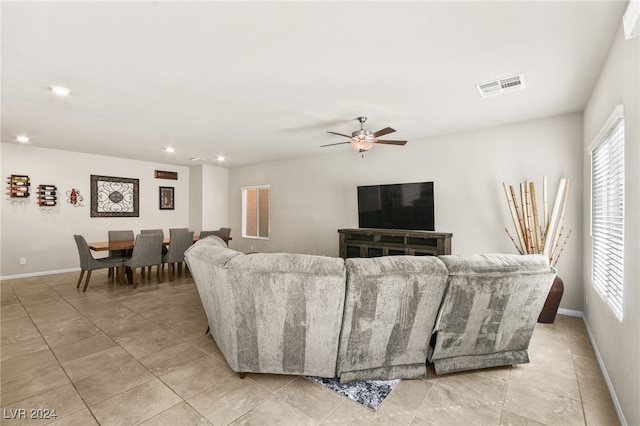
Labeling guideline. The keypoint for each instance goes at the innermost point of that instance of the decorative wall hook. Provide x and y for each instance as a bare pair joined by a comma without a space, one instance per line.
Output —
75,199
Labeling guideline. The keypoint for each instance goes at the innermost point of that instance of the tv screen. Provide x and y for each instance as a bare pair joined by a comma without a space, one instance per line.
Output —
397,206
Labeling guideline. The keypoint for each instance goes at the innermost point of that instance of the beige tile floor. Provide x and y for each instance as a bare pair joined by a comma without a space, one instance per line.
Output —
121,356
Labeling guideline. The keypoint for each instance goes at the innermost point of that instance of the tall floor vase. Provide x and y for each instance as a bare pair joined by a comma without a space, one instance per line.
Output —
550,308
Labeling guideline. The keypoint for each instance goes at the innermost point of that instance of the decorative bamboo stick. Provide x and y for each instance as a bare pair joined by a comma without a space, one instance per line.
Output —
555,261
545,201
534,236
553,221
561,219
530,232
536,221
513,241
553,249
509,192
520,219
524,224
526,216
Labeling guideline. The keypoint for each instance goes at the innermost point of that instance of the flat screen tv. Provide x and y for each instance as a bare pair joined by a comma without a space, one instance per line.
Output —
397,206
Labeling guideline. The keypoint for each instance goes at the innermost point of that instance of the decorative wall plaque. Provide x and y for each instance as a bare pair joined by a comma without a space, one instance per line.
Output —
114,196
75,198
160,174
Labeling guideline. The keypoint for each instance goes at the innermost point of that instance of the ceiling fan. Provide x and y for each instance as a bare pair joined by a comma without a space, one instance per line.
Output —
362,140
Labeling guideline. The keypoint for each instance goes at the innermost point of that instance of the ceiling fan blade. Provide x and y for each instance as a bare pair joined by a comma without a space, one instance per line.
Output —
332,144
390,142
383,132
340,134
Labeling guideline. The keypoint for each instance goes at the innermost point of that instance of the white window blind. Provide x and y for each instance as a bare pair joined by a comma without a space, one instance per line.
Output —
607,212
255,212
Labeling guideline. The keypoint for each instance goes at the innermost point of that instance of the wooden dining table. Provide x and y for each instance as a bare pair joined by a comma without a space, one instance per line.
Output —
128,244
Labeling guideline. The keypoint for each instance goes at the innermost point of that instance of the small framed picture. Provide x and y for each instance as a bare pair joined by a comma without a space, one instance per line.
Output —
167,201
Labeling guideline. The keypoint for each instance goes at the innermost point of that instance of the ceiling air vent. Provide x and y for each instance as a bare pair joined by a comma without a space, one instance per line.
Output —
498,87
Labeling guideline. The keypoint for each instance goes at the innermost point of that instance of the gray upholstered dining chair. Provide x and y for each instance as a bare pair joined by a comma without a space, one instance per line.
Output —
152,231
155,231
204,234
179,242
222,233
177,230
147,252
88,263
125,235
164,249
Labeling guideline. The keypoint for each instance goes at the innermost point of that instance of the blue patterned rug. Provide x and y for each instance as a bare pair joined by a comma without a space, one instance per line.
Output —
370,393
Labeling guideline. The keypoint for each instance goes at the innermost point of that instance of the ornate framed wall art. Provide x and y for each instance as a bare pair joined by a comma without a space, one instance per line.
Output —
167,198
114,196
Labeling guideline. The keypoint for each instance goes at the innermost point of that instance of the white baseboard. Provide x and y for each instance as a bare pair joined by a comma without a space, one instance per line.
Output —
39,274
603,369
571,313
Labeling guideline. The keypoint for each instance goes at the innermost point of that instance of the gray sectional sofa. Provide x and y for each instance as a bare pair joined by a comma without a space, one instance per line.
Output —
368,319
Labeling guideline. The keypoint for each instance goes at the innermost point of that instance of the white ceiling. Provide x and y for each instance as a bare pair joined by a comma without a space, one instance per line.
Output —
260,81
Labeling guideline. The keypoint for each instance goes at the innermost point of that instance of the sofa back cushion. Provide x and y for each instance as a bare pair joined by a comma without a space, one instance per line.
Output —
272,312
492,303
390,310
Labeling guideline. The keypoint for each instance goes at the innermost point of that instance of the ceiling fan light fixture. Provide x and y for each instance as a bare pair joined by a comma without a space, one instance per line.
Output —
362,140
361,145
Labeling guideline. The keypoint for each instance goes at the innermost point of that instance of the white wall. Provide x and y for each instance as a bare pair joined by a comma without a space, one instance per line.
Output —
215,198
618,342
195,198
46,239
209,194
311,198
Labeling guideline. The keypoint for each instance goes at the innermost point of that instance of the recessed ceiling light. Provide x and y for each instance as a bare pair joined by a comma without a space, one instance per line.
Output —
22,139
170,150
220,158
60,90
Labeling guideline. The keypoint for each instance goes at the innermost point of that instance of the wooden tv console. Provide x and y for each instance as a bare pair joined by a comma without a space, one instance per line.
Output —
369,242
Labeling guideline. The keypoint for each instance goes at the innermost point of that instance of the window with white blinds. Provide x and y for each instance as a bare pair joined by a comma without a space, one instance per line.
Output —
607,211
